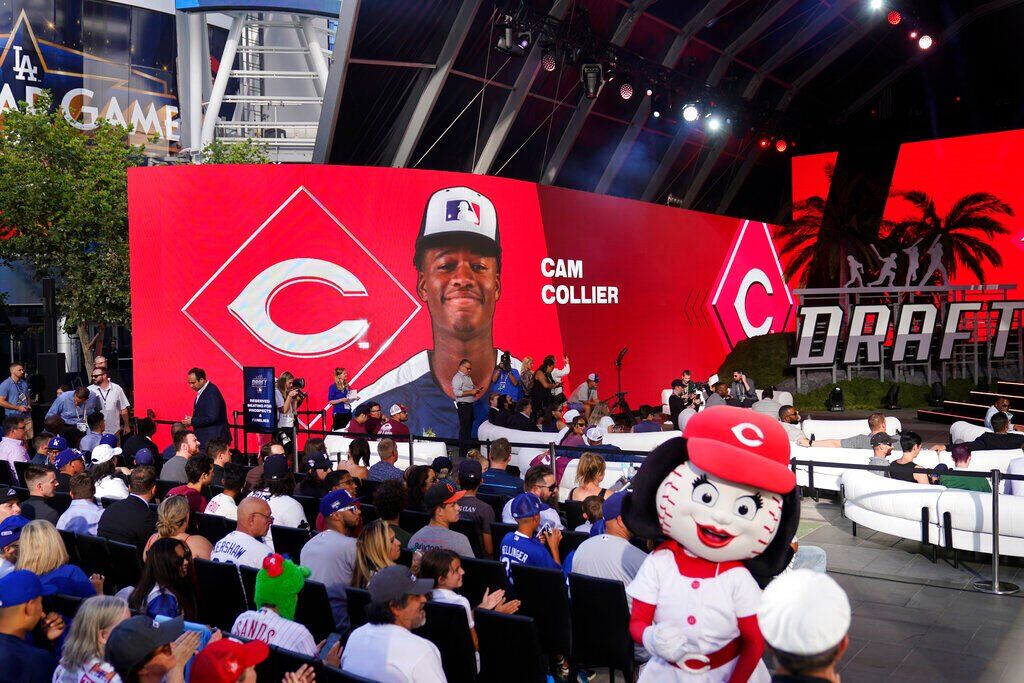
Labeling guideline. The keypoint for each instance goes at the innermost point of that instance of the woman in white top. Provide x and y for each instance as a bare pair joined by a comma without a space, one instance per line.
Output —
445,568
82,655
600,415
105,476
286,403
275,487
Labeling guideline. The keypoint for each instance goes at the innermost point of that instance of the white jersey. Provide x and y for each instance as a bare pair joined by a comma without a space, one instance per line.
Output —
222,505
93,671
391,654
286,510
273,629
240,548
112,402
111,487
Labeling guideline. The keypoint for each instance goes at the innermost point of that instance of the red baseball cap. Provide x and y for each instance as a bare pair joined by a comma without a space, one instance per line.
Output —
740,445
225,660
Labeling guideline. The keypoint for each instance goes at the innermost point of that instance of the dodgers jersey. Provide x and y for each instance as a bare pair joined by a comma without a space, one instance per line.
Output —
517,548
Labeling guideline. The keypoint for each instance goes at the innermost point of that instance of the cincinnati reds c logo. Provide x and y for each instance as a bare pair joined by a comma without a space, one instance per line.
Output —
252,307
741,431
753,276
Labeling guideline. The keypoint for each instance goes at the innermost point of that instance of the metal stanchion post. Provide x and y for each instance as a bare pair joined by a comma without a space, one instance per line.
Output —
551,453
995,586
412,457
295,447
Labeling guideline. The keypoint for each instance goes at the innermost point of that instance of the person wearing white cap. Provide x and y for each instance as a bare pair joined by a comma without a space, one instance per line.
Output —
105,472
396,427
804,617
586,393
594,439
458,264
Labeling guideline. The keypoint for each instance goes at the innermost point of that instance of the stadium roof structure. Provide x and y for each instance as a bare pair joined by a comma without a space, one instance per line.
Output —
424,87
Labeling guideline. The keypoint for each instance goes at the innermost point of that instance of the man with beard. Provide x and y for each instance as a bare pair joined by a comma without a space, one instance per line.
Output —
458,264
331,554
790,419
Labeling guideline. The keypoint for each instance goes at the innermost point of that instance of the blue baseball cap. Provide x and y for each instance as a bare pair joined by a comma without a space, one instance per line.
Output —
336,501
526,505
10,530
109,439
143,456
612,506
57,443
66,457
20,586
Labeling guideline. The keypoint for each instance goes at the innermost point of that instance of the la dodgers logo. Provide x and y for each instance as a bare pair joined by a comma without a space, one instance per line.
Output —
23,69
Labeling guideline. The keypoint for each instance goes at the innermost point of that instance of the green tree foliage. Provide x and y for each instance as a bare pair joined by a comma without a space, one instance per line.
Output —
64,210
247,152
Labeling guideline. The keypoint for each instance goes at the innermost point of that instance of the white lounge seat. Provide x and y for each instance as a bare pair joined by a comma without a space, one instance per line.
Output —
424,451
971,521
891,506
965,432
842,429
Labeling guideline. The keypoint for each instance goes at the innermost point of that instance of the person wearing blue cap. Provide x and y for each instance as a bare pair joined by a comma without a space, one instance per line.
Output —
331,554
21,609
96,425
10,535
68,463
525,545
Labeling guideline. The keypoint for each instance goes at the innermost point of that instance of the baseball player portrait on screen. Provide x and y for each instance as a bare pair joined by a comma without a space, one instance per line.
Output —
458,266
722,500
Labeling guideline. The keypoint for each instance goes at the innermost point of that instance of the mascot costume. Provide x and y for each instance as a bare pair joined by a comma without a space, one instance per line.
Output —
722,501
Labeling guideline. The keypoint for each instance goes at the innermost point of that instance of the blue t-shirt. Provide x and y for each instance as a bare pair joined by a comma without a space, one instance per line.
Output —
69,580
15,393
24,662
503,385
495,477
516,548
646,426
333,394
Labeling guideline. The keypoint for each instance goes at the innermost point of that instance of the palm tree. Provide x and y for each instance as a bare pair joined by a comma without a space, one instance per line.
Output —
966,232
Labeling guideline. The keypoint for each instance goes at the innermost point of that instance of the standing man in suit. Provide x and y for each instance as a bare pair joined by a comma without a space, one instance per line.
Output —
209,418
132,520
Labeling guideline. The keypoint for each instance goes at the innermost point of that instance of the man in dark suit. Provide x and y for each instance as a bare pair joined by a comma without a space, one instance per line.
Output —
209,417
523,417
132,520
1000,439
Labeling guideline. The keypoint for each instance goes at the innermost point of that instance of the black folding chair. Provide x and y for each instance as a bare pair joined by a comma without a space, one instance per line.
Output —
64,605
357,600
365,489
332,675
289,541
369,512
573,513
107,501
482,574
472,532
448,628
221,597
603,642
314,610
163,486
498,532
281,662
495,500
570,541
92,551
311,506
212,527
7,477
125,565
248,575
70,545
543,596
61,501
413,520
19,469
509,648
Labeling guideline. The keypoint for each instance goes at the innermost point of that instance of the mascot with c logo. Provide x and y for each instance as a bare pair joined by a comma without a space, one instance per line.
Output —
723,502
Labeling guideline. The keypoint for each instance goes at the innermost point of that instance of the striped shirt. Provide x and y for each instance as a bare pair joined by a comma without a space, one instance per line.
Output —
273,629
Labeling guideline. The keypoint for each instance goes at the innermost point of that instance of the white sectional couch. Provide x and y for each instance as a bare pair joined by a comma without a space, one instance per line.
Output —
890,506
965,432
424,451
842,429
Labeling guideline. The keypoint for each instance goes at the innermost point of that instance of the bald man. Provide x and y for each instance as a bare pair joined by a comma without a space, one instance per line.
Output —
245,545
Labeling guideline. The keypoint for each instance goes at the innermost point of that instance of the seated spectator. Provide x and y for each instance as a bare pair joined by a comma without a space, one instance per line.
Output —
494,413
141,651
223,504
396,427
21,610
592,513
185,447
1000,438
961,454
903,468
97,426
131,520
54,446
10,536
68,463
677,401
390,499
525,545
881,449
767,405
385,469
83,515
145,429
522,419
601,416
719,395
358,461
589,475
82,655
586,393
377,547
552,420
41,551
358,425
442,466
40,449
42,486
376,417
444,568
475,454
245,545
252,479
500,453
471,508
331,554
172,518
594,439
199,472
418,479
278,584
145,457
168,452
876,424
790,419
106,475
276,486
317,466
648,422
576,426
609,555
384,649
804,616
167,586
540,482
1001,405
442,503
743,393
696,403
10,505
219,452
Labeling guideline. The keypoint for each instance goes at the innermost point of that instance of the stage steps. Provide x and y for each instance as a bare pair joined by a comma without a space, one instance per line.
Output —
974,410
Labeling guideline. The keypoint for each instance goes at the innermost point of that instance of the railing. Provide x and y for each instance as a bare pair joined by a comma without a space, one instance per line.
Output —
995,585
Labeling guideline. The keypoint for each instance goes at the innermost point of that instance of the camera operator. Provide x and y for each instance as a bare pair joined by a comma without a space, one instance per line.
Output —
505,379
289,396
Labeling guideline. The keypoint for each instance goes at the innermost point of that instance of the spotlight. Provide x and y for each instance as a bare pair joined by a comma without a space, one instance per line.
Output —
548,60
592,76
512,41
780,145
626,91
764,142
894,18
714,124
648,92
523,40
656,114
913,35
925,42
690,112
875,5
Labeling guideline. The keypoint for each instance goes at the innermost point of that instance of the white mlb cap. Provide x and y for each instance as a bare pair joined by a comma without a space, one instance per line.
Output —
459,212
804,613
595,433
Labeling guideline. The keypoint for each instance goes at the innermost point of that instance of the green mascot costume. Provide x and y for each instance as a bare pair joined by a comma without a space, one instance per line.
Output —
278,585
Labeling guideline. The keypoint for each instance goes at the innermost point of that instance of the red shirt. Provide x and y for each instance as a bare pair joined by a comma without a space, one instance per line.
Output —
196,500
393,427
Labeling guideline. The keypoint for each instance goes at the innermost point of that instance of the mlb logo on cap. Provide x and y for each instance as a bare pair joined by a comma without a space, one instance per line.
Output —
461,210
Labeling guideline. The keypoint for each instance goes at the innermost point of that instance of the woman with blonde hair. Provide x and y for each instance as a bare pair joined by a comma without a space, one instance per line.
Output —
286,402
589,475
41,551
82,655
172,517
340,396
526,375
600,415
475,454
376,548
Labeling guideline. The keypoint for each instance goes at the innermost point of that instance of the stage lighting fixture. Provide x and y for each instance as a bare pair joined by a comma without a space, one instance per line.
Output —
875,5
592,76
925,42
714,124
764,142
835,402
894,18
523,40
548,60
690,112
510,40
656,114
626,91
780,145
913,35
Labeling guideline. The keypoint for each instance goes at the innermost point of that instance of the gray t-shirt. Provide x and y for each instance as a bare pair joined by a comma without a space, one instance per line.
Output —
608,557
174,470
475,510
331,557
863,441
432,536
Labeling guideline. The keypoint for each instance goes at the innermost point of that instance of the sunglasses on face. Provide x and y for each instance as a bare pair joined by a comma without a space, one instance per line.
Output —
551,488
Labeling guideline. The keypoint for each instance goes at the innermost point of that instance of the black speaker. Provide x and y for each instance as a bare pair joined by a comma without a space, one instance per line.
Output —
52,370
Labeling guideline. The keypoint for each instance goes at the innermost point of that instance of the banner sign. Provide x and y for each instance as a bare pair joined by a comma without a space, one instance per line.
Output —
259,405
